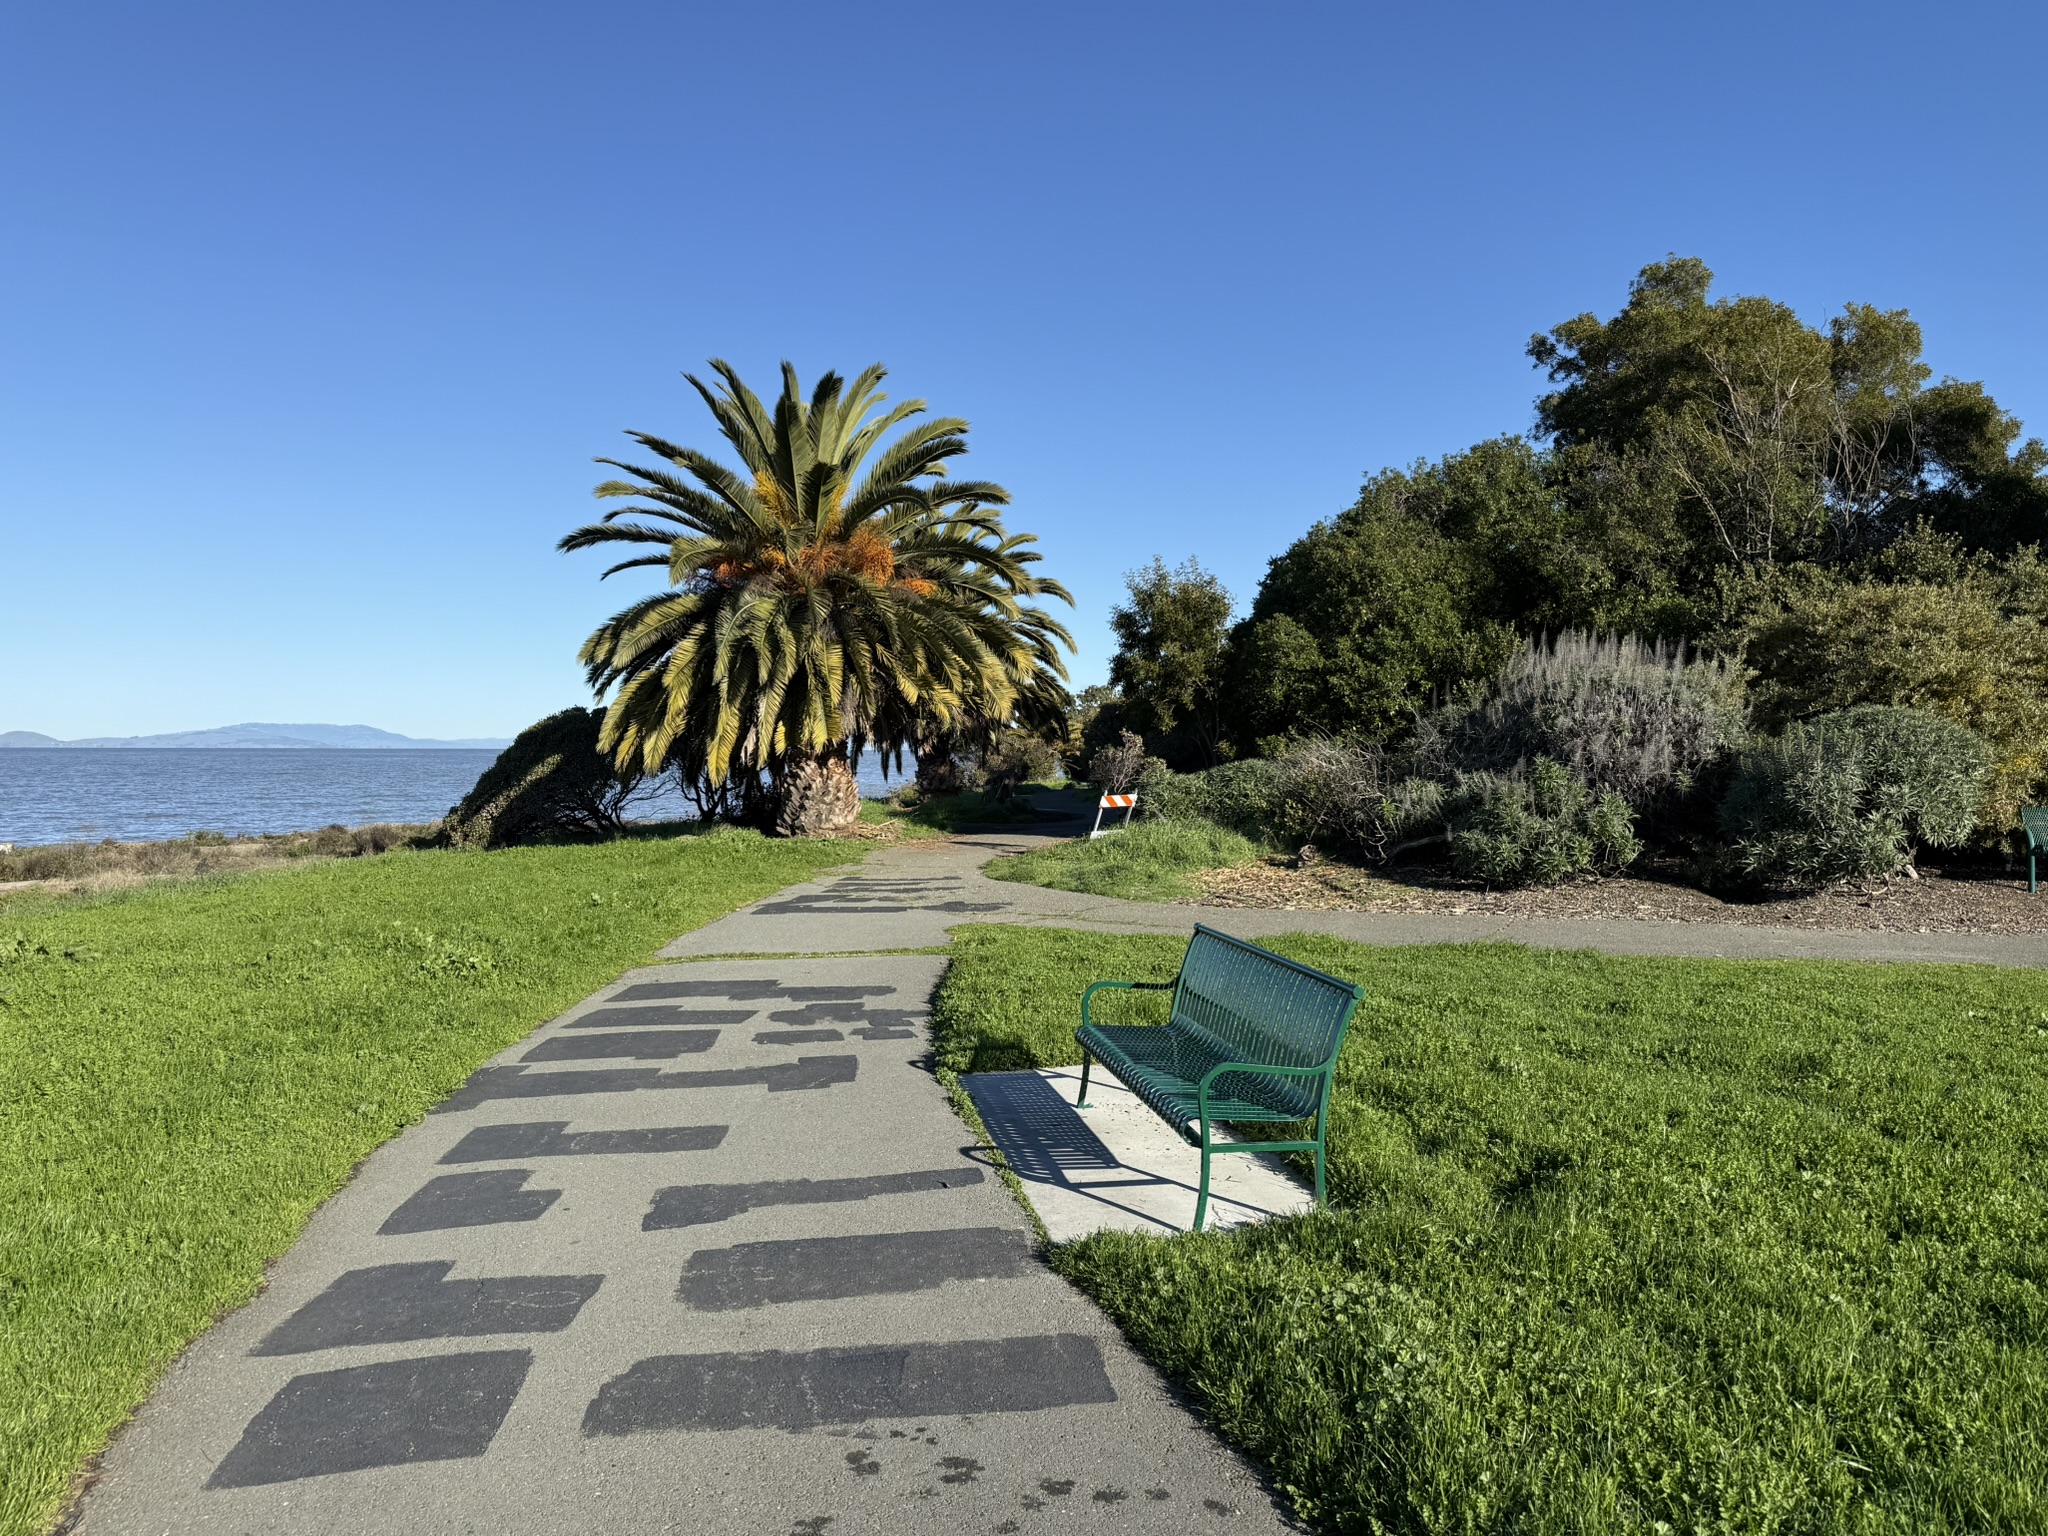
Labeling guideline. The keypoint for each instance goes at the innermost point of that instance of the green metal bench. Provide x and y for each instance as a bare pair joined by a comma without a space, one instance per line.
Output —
2034,826
1252,1037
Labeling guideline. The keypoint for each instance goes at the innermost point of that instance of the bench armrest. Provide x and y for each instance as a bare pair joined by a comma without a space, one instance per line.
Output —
1256,1068
1121,986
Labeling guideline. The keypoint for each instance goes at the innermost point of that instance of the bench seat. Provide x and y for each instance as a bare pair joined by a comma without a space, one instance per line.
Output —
1164,1068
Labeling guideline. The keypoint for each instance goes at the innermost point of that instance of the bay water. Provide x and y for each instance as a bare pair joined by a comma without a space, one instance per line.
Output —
140,794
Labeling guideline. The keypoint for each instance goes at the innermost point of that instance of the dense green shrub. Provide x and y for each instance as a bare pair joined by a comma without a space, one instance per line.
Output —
1541,825
1368,614
1317,791
1239,796
551,785
1333,795
1642,721
1537,828
1013,759
1846,796
1327,793
1121,765
1963,650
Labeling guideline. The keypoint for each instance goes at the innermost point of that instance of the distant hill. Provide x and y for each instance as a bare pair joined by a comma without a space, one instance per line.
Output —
254,734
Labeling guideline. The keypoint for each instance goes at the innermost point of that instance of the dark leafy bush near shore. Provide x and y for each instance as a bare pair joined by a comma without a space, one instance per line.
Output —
1847,796
551,785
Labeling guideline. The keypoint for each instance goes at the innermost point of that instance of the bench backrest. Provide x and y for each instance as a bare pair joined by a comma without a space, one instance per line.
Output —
2034,819
1260,1006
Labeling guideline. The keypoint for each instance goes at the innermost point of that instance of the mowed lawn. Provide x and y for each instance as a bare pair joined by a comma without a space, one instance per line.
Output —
1615,1244
187,1070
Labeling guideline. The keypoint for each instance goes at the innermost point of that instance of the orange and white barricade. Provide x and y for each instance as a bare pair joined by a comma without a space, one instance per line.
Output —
1128,804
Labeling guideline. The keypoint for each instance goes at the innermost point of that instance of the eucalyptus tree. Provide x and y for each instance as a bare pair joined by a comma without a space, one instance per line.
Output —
837,591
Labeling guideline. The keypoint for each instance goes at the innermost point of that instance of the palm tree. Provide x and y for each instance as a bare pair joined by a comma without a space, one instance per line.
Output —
837,593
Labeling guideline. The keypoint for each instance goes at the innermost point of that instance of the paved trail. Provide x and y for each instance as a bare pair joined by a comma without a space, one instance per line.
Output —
709,1254
908,895
712,1254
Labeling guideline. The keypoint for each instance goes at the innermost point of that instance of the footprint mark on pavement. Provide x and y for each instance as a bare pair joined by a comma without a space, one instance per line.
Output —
1031,1503
815,1526
1058,1487
1110,1495
959,1469
1218,1507
1157,1495
863,1464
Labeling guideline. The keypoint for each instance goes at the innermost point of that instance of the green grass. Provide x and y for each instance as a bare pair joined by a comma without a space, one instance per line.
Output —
187,1070
947,814
1149,861
1616,1244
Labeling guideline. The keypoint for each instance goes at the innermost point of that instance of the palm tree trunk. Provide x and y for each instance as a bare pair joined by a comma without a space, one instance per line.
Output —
817,795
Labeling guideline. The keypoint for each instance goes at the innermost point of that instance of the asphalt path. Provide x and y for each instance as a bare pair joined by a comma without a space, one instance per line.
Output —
910,895
710,1253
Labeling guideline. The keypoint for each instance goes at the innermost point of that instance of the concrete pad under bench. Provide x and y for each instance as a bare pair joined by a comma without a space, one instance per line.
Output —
1116,1164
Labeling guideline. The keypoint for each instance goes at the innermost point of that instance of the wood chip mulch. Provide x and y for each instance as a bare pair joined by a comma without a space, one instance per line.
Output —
1967,902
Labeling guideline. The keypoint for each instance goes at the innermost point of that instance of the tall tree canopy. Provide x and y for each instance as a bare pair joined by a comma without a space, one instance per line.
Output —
1169,665
1773,441
836,592
1696,460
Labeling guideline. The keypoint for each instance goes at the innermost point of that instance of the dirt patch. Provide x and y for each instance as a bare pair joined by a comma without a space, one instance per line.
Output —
1938,902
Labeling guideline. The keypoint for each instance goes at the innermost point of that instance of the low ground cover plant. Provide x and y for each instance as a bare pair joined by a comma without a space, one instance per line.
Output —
110,864
188,1070
1614,1244
1148,861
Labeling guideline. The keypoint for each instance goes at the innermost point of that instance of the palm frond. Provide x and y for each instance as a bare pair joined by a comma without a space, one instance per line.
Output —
837,592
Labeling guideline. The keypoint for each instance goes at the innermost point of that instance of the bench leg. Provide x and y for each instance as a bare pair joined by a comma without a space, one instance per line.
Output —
1081,1101
1321,1121
1202,1199
2032,884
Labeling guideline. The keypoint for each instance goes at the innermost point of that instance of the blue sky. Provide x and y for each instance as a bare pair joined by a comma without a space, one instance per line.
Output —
312,319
